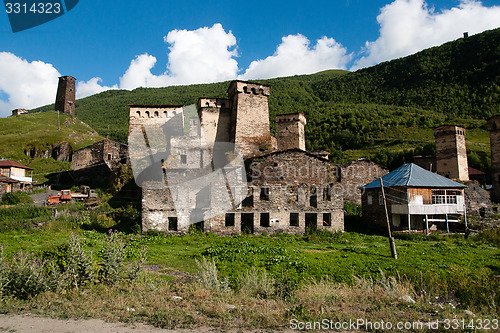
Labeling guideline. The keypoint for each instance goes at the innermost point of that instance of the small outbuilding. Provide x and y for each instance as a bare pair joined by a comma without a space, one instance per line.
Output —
17,171
417,199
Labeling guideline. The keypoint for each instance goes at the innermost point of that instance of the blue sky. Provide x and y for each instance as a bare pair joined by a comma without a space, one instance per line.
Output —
126,44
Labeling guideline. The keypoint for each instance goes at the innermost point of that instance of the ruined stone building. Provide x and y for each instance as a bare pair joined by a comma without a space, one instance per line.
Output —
355,174
106,153
283,188
66,95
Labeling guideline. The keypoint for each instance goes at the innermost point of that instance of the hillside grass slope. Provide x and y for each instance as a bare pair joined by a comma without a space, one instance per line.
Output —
386,112
19,135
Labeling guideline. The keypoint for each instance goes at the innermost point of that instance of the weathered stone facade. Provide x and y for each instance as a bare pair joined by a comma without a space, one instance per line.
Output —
66,95
477,199
494,128
287,190
140,114
107,153
356,174
250,119
8,184
451,153
291,132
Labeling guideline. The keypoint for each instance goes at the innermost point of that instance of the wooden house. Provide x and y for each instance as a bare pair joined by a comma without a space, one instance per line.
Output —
17,171
417,199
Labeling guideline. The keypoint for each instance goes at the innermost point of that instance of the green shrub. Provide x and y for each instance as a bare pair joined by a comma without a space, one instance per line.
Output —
16,198
208,276
255,283
490,236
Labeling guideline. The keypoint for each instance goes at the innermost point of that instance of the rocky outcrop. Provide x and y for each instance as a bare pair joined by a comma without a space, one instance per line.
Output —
61,151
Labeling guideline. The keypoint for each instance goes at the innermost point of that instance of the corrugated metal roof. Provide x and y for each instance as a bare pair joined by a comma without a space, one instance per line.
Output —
411,175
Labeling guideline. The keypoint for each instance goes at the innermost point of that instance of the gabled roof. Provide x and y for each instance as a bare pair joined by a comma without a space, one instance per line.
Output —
12,164
411,175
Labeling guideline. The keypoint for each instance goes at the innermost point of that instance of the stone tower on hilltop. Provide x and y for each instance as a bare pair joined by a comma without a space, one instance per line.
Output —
291,133
66,95
494,128
451,153
250,117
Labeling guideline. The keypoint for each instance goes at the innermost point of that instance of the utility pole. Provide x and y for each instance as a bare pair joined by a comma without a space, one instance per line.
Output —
391,239
107,135
58,126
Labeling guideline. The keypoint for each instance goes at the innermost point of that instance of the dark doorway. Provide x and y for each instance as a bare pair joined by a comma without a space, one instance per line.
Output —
264,220
247,223
311,222
172,223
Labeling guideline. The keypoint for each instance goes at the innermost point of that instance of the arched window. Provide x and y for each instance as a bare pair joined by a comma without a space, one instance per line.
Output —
261,91
165,113
156,114
147,114
207,104
138,114
245,89
253,91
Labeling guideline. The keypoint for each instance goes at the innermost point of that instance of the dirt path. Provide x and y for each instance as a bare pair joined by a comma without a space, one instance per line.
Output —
34,324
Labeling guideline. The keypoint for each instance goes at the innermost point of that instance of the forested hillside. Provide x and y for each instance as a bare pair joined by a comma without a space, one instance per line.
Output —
386,112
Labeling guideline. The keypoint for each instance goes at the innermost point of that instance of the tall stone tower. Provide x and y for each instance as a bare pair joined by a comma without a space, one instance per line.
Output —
65,98
291,133
250,117
494,128
215,119
451,153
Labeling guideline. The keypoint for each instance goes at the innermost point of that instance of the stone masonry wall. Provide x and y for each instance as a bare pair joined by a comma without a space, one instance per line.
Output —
66,95
357,174
451,154
291,133
250,123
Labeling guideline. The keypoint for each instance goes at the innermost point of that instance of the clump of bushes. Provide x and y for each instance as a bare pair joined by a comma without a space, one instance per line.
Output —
16,198
73,266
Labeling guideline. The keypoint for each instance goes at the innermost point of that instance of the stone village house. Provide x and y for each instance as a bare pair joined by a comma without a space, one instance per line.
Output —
289,189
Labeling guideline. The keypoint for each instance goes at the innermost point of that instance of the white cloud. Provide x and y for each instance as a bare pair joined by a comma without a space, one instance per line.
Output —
91,87
296,56
199,56
27,84
408,26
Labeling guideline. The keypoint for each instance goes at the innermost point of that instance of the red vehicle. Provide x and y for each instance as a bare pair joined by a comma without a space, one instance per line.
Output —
65,196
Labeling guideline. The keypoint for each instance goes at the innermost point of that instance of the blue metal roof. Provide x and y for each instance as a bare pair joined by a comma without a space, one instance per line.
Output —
411,175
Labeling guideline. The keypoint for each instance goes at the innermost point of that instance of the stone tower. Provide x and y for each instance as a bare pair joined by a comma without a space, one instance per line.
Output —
291,133
215,119
250,117
65,98
494,128
451,153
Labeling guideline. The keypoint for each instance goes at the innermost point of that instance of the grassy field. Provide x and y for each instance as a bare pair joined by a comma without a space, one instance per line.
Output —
39,131
260,281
